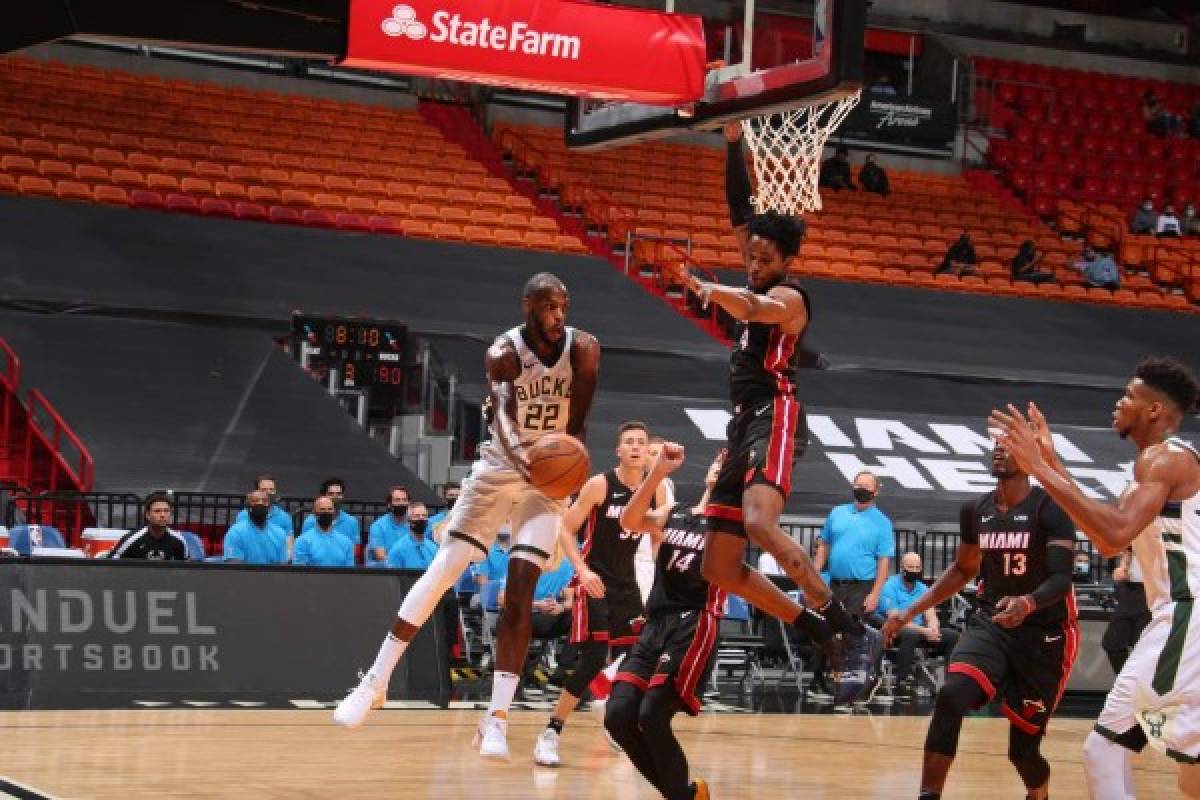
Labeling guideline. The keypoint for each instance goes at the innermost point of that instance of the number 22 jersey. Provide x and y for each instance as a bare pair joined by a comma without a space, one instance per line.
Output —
540,395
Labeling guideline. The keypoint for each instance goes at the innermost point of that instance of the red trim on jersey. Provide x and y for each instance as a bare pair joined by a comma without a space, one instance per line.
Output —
629,677
778,355
780,449
621,641
723,512
975,674
1018,721
1070,628
699,651
587,540
579,614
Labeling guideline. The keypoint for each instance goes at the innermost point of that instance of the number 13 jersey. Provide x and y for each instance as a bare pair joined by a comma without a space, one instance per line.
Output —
1014,545
541,395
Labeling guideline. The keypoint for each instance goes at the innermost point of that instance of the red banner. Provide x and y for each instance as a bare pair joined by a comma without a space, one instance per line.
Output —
560,46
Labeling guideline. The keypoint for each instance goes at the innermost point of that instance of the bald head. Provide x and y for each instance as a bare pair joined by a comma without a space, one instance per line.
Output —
910,562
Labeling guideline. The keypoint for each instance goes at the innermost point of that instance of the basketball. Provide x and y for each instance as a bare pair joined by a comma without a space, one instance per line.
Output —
558,465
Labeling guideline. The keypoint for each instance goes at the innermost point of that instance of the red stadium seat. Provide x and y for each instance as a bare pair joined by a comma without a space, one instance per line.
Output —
217,207
144,198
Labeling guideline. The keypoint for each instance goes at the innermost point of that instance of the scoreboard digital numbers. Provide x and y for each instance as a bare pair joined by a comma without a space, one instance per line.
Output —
366,354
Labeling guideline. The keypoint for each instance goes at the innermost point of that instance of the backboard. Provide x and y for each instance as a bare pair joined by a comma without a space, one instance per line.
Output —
760,62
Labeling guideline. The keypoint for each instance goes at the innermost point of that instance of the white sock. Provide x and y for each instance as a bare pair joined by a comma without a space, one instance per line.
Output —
504,686
389,656
1108,767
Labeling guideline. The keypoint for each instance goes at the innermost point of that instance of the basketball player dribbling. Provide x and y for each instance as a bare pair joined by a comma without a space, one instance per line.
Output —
608,602
1156,696
542,376
767,430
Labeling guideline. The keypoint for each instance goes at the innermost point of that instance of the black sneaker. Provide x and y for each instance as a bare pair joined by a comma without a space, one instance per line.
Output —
855,660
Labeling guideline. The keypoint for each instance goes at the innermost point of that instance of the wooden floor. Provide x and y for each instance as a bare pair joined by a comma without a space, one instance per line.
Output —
426,754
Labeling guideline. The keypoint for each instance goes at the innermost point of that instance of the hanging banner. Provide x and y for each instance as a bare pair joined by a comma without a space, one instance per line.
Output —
558,46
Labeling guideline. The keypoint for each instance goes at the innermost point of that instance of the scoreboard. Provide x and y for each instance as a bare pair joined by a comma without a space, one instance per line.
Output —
364,353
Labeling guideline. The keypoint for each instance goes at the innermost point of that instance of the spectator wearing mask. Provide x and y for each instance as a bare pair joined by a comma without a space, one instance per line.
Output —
450,494
277,515
388,529
835,172
1145,219
1025,265
872,178
856,544
1099,270
255,540
417,549
960,256
345,524
1189,223
1168,224
322,545
156,541
900,592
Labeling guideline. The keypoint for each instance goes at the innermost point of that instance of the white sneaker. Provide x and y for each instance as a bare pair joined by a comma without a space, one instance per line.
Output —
545,750
491,737
353,710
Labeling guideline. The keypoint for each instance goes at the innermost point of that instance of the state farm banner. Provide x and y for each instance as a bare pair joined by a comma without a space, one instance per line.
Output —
559,46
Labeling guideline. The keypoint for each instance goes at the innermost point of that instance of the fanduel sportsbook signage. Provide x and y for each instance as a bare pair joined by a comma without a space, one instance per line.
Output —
110,634
901,120
559,46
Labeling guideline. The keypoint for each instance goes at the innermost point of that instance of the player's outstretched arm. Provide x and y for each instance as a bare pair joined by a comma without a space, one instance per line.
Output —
585,368
951,582
737,187
780,306
638,515
1110,527
590,496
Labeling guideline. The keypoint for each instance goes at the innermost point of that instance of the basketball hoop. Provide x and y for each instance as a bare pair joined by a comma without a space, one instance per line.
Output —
786,147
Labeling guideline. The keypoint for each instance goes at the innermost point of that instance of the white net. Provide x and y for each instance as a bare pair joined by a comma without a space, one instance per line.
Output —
786,147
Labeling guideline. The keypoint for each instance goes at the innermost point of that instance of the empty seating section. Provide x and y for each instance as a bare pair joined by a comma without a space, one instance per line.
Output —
1074,146
677,191
86,134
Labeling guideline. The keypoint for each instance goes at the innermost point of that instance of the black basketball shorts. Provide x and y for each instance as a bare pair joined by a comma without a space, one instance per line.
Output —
615,618
674,649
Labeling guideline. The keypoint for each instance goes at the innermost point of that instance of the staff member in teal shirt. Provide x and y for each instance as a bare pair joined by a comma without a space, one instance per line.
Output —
415,551
255,540
323,546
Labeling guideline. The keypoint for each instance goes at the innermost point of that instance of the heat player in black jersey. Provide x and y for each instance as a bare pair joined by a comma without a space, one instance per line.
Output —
660,677
608,608
1021,640
767,432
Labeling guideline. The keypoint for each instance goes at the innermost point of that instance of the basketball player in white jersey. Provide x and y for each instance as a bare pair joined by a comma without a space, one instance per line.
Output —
1156,697
543,378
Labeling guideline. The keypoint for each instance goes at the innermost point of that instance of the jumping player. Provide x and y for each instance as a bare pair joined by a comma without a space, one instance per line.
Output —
672,655
766,433
608,604
1156,696
1022,639
543,378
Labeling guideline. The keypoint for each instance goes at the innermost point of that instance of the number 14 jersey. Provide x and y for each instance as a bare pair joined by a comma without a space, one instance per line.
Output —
679,584
1014,545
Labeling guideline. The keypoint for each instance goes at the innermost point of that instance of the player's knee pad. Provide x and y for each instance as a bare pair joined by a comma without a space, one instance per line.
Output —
447,567
621,711
958,695
1024,751
592,658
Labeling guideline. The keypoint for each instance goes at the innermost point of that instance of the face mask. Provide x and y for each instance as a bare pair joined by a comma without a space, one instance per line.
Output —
912,577
417,525
862,495
325,518
258,515
400,509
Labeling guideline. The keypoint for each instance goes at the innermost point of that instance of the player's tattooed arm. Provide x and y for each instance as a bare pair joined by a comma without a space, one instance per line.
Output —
585,366
503,365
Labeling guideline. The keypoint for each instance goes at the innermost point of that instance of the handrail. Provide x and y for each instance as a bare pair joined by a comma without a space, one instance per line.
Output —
11,376
82,474
10,381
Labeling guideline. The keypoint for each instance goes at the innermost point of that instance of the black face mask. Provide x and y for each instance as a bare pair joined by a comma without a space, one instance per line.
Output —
325,518
912,577
417,526
258,515
400,509
862,495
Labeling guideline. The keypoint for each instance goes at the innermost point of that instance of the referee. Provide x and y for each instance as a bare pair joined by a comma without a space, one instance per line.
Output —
155,542
1131,613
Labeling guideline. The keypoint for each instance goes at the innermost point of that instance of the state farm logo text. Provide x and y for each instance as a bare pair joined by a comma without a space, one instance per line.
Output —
451,28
